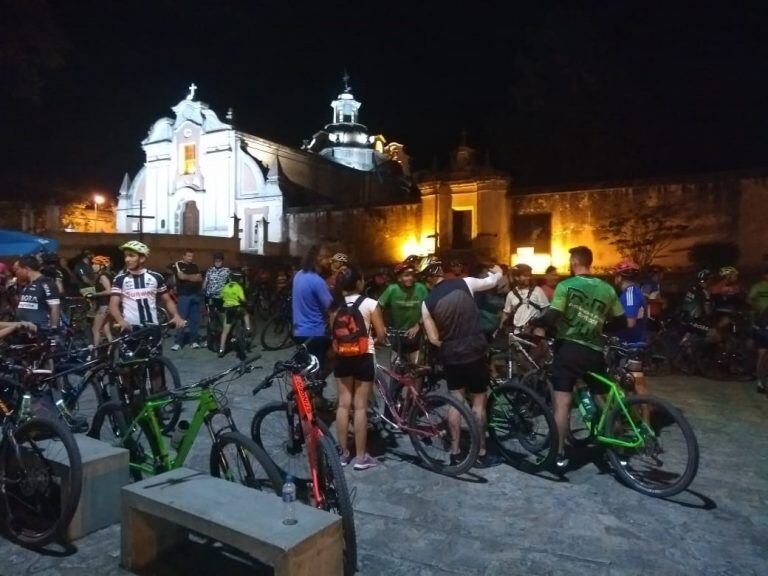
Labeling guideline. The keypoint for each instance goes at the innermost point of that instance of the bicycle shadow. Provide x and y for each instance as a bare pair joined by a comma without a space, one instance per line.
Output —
56,549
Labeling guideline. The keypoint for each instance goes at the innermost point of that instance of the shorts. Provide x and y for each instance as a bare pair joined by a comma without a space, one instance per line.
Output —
571,362
230,314
361,368
473,377
406,345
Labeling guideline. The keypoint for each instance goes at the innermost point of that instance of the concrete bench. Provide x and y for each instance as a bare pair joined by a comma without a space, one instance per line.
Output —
160,512
105,472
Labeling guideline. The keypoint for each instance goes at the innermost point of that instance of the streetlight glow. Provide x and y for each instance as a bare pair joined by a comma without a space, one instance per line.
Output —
98,199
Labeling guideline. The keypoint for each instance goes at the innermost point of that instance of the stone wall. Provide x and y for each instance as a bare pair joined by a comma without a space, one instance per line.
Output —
370,235
716,208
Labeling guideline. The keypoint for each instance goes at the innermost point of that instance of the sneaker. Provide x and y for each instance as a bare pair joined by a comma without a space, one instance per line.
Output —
456,459
487,461
221,353
175,347
365,462
195,346
561,462
345,458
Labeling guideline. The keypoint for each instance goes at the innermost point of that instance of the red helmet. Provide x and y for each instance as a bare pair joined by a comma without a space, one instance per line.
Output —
626,268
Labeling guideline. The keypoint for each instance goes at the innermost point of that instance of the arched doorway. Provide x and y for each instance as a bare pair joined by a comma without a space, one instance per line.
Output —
190,219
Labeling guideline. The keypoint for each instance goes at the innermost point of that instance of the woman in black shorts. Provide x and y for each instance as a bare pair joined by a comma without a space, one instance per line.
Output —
355,374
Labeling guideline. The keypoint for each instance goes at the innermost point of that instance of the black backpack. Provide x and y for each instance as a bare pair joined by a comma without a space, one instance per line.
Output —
350,335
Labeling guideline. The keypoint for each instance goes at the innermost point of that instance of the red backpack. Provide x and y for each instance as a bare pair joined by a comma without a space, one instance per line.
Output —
350,335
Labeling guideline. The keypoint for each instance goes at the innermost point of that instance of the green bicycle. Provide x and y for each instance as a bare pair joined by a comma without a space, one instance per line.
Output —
233,456
650,445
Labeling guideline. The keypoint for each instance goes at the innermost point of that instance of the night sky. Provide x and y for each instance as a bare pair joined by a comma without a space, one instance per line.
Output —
553,92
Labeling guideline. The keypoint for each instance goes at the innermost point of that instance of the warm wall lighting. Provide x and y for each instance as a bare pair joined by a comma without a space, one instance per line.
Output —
538,262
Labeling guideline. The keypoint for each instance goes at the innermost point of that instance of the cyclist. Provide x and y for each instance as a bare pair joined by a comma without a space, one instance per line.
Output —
551,278
311,302
49,267
376,286
101,268
758,300
626,274
651,290
354,367
697,302
215,277
136,289
232,298
581,308
189,282
39,299
339,261
452,323
401,303
524,301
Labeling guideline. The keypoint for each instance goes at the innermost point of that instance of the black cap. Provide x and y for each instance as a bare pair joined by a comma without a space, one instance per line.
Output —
218,256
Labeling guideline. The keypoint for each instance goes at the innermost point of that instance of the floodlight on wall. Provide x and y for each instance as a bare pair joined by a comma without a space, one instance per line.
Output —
527,255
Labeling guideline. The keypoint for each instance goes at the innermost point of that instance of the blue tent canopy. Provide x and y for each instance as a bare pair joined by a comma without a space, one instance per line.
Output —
17,243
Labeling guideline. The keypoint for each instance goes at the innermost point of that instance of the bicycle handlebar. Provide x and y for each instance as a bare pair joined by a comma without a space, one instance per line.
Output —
243,367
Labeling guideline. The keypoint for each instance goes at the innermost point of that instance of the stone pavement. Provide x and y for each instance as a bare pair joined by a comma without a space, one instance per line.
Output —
499,521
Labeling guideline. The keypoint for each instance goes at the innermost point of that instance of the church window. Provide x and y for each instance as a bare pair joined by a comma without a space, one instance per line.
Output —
189,164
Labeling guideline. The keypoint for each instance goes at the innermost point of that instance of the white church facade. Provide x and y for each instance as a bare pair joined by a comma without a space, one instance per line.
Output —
201,176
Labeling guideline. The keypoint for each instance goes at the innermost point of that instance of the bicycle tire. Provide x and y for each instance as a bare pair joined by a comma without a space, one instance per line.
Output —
71,476
116,415
294,464
336,498
511,409
281,329
468,425
619,457
269,481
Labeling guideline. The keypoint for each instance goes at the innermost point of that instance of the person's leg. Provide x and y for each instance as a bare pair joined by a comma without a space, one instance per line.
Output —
562,402
345,387
479,402
362,396
225,332
96,327
454,421
106,327
183,306
193,318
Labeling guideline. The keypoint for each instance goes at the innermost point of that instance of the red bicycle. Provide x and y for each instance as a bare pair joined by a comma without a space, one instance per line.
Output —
301,446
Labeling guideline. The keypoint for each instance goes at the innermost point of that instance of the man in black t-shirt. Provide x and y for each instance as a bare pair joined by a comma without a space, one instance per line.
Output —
189,282
84,273
39,299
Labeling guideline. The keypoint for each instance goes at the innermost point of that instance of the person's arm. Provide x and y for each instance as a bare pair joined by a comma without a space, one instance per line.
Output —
429,326
53,300
482,284
115,312
170,305
617,318
205,280
377,321
106,284
7,328
196,277
507,310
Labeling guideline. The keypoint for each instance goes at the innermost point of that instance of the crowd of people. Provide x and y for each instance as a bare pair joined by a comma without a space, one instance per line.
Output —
341,317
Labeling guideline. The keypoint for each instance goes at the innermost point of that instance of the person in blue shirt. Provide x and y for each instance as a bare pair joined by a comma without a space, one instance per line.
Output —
311,301
626,274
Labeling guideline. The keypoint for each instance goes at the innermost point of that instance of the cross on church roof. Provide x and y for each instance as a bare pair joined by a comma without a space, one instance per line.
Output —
346,81
192,88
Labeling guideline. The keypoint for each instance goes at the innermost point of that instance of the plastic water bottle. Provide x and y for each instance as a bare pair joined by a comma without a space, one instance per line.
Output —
26,405
587,405
289,502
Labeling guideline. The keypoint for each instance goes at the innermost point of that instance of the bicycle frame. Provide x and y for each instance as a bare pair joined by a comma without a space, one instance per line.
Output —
208,406
615,397
311,430
412,399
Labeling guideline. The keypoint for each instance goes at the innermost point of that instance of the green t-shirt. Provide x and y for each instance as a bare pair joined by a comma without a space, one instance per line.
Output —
232,294
403,307
758,296
586,303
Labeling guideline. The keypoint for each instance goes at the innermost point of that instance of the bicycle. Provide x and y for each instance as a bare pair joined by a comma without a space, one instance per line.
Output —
639,432
152,453
296,436
277,333
239,338
40,470
399,402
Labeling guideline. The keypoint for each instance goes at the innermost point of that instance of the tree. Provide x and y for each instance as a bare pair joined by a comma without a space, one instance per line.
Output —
642,236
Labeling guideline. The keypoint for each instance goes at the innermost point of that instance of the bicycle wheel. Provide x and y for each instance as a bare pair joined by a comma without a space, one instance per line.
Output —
430,433
41,481
237,458
277,333
332,484
110,425
522,426
271,429
667,461
240,342
160,375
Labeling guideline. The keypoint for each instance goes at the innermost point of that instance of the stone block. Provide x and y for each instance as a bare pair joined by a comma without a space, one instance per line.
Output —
160,511
105,472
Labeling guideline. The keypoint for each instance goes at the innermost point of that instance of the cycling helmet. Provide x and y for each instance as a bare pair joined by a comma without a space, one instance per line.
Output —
136,246
728,272
412,260
429,266
704,275
340,257
405,265
626,268
101,260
